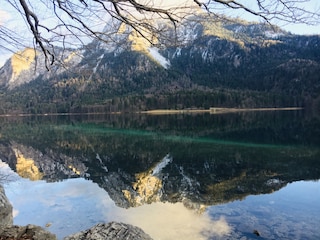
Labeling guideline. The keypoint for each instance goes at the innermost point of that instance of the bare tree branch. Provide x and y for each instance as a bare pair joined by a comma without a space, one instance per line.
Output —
78,19
33,22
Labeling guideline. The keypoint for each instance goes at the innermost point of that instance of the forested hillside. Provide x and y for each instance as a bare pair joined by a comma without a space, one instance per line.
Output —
223,64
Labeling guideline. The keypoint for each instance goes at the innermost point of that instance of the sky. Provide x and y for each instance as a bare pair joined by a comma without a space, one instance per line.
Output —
11,19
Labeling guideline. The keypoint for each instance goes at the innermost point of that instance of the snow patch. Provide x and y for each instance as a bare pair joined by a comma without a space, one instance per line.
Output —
204,54
273,35
154,52
98,63
238,29
161,165
274,181
177,52
104,167
94,70
185,178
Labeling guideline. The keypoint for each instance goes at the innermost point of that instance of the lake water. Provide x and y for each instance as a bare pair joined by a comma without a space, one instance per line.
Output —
227,176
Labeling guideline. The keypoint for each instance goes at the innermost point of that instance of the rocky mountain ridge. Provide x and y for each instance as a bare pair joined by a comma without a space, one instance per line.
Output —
28,64
203,55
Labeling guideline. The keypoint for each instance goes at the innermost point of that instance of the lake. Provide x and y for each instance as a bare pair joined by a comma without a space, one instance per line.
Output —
248,175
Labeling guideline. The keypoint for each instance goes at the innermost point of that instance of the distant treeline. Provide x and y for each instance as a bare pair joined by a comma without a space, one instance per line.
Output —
75,102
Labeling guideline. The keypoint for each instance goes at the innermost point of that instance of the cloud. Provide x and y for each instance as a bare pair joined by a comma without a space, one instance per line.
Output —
173,221
4,16
175,3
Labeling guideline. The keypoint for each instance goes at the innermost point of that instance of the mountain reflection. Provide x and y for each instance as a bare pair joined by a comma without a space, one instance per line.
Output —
197,160
26,168
77,204
148,185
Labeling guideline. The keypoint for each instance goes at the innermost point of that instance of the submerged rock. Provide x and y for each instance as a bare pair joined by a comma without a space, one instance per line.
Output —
6,218
112,230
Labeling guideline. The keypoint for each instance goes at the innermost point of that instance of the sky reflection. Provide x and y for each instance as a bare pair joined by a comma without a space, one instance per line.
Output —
293,212
77,204
174,221
68,206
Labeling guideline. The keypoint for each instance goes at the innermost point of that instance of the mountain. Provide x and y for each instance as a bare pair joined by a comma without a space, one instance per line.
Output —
203,63
138,165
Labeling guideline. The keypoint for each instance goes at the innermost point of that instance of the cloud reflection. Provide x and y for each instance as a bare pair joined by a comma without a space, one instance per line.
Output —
173,221
70,206
78,204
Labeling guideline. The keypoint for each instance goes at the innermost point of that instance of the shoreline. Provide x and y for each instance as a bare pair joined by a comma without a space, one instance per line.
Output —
212,110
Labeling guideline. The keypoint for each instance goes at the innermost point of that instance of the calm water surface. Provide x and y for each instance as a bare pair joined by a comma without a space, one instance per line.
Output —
232,176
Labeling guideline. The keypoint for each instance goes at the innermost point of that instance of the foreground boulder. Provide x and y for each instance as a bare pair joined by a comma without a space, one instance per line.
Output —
112,230
6,218
29,232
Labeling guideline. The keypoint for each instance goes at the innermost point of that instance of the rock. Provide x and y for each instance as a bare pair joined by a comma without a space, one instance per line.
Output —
112,230
9,232
29,232
6,218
